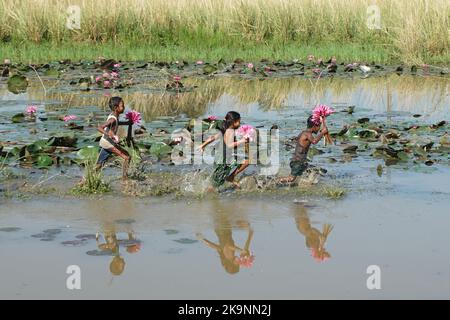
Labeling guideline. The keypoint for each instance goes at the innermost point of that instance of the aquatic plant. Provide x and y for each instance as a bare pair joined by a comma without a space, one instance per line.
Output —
92,182
31,110
134,116
246,131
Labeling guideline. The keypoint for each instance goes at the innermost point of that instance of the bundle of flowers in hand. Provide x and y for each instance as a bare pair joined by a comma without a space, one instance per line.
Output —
247,131
319,113
245,261
134,116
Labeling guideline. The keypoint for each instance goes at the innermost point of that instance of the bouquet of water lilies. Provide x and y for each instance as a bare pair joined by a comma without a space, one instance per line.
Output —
319,113
247,131
134,116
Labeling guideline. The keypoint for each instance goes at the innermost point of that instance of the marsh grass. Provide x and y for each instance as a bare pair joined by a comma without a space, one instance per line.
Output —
411,31
93,182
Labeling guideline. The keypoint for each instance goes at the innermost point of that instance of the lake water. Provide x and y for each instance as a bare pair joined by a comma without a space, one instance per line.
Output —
293,246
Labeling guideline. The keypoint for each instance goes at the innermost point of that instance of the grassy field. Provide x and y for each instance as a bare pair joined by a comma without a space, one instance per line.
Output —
411,32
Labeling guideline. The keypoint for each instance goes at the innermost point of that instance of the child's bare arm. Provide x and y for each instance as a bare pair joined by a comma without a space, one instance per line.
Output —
101,127
229,140
317,138
208,141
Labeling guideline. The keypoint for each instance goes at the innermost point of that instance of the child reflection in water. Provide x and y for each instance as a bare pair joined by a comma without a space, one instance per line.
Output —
226,247
112,244
315,240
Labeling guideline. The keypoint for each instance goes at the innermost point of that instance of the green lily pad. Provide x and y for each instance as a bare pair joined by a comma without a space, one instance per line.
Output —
44,161
89,153
51,72
18,118
159,149
208,69
186,241
17,84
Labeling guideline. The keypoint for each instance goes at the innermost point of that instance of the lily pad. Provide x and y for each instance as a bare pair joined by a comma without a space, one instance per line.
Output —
85,236
208,69
89,153
9,229
51,72
186,241
52,231
18,118
17,84
99,253
159,149
125,221
171,231
44,161
74,243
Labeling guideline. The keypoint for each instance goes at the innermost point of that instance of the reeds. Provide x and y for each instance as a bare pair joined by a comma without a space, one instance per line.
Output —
411,30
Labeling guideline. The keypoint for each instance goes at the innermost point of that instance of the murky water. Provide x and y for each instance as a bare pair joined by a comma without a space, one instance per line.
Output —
235,245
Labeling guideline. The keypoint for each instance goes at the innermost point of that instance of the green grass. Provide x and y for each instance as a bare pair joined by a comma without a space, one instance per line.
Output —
347,52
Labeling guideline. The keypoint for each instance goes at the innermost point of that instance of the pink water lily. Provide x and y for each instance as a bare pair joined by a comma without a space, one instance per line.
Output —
106,75
247,131
98,79
245,261
212,118
106,84
199,62
319,112
69,118
177,78
114,74
117,65
31,109
134,116
250,65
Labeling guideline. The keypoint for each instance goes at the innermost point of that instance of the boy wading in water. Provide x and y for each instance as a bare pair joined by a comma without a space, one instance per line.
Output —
109,141
227,169
299,162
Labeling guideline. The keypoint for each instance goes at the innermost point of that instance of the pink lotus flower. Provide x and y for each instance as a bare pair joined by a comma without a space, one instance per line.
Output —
245,261
134,116
212,118
114,74
117,65
107,84
319,112
31,109
177,78
250,65
247,131
69,118
199,62
98,79
106,75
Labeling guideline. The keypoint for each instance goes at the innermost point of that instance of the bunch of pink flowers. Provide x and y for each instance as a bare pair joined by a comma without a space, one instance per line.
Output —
134,116
247,131
245,261
319,112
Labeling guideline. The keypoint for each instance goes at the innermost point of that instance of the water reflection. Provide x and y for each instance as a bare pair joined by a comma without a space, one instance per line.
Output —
232,257
417,94
315,239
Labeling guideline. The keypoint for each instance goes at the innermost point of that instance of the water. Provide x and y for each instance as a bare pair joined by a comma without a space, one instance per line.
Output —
186,248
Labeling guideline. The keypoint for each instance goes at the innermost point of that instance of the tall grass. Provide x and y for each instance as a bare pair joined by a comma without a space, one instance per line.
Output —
411,30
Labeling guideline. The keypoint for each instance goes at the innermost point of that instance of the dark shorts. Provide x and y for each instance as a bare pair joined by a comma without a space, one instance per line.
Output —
298,167
104,155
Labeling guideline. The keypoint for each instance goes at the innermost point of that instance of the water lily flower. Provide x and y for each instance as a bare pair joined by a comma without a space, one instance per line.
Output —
319,112
114,74
106,75
69,118
199,62
250,65
247,131
177,78
212,118
117,65
106,84
31,109
364,68
245,261
134,116
98,79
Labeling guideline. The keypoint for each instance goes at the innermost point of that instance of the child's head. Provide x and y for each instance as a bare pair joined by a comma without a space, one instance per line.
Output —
312,125
116,104
232,120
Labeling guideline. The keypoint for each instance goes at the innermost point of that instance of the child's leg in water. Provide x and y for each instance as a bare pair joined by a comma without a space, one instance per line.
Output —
126,157
241,168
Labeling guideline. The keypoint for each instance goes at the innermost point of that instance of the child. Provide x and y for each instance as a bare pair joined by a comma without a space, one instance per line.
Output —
109,140
228,169
299,162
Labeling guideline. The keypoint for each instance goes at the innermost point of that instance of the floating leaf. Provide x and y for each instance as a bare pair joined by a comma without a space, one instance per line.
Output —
208,69
51,72
171,231
89,153
44,161
17,84
186,241
18,118
159,149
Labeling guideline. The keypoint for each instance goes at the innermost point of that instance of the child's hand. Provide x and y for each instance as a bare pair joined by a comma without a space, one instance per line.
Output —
325,130
201,148
116,138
